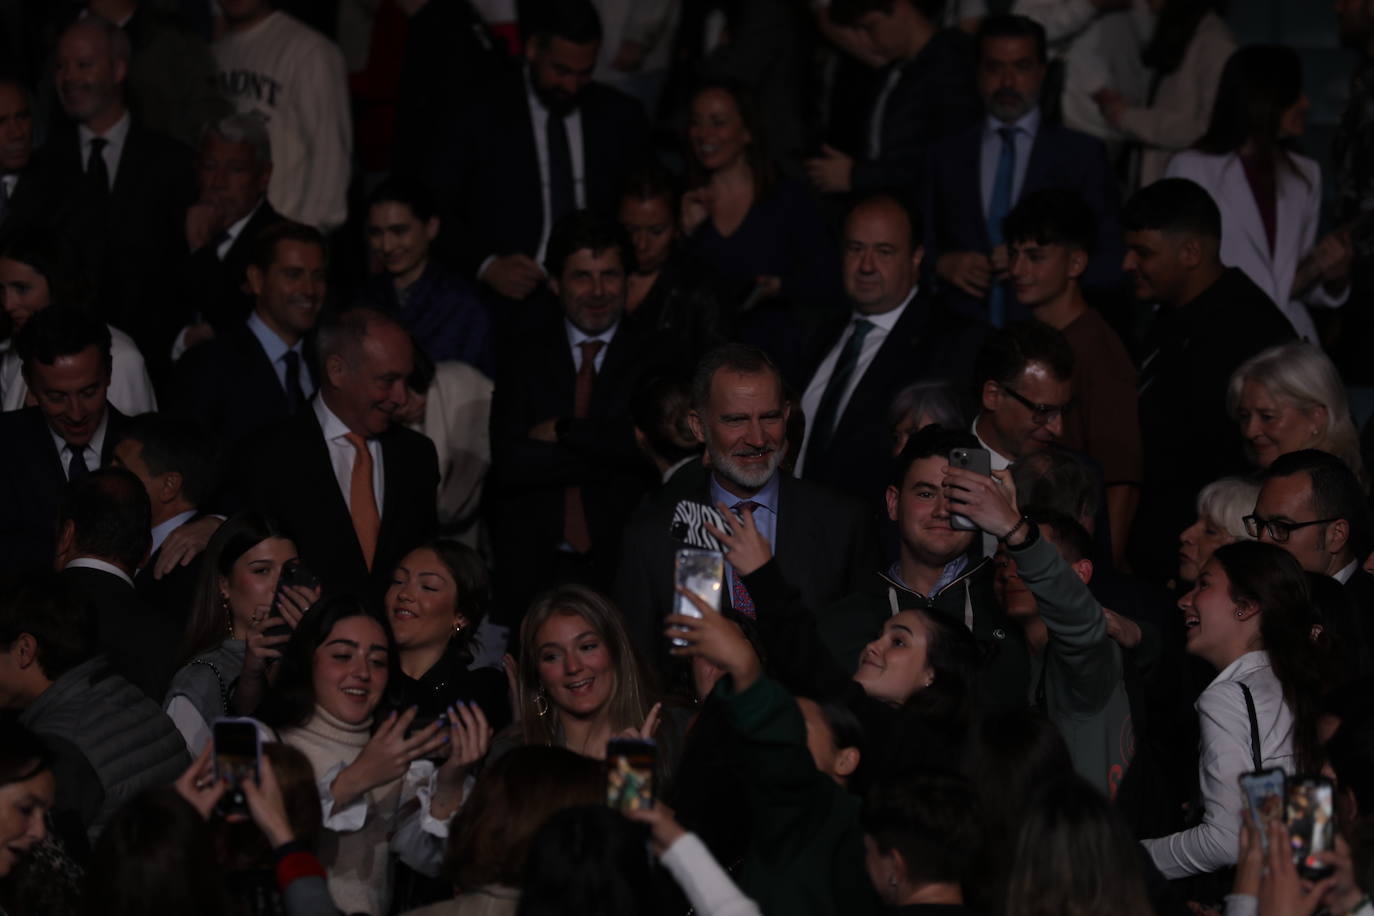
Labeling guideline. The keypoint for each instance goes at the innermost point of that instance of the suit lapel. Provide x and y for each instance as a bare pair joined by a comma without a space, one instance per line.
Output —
896,351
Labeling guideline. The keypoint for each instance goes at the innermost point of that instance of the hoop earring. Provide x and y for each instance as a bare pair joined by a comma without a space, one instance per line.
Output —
541,704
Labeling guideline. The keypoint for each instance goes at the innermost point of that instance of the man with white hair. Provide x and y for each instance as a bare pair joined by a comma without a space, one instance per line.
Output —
822,540
233,170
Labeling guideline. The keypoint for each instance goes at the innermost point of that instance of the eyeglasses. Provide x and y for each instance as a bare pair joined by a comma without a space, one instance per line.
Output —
1041,414
1278,531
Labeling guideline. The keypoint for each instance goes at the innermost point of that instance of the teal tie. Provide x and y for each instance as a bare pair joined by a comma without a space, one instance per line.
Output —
823,426
998,206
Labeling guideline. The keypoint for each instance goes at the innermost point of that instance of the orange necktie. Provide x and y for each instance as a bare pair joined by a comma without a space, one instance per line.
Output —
362,501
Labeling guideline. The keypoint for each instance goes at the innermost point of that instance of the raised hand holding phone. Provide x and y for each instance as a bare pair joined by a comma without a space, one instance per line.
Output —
717,639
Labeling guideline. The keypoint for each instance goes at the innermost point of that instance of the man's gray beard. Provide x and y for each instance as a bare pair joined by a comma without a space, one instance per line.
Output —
727,467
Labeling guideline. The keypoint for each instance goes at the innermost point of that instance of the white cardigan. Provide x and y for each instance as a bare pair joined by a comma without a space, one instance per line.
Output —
1182,105
1243,242
1225,754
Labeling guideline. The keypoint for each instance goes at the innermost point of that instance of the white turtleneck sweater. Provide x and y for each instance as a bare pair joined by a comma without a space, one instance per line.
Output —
354,847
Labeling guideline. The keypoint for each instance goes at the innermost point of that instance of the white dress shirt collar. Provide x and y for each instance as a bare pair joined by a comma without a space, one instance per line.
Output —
91,451
577,337
1343,574
103,566
233,231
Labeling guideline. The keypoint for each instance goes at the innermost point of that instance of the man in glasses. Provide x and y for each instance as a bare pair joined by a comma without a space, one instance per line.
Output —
1022,378
1312,506
1050,242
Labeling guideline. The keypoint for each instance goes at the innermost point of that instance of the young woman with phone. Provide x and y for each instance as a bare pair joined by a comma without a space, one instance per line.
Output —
378,791
1250,616
235,603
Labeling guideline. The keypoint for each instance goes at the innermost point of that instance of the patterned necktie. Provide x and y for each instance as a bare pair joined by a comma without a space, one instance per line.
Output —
292,361
739,595
827,412
575,530
362,500
998,206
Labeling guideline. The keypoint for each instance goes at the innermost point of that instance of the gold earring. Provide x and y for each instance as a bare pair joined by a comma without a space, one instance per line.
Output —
541,704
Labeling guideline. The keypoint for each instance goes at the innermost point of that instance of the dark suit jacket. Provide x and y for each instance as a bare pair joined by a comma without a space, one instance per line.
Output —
486,170
284,471
927,342
935,96
27,205
824,546
537,382
228,385
174,592
128,245
217,289
1060,158
1188,437
140,641
32,478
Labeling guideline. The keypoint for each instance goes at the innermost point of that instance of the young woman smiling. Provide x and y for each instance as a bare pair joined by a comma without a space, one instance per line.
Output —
1249,614
579,681
234,601
439,595
378,791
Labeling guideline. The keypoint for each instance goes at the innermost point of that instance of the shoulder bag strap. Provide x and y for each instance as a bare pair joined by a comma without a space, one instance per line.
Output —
1254,728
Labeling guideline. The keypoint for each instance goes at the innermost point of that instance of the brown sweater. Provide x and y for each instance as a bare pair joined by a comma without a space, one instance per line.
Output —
1104,424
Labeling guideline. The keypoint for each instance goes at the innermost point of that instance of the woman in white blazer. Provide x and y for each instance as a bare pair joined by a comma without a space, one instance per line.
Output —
1269,197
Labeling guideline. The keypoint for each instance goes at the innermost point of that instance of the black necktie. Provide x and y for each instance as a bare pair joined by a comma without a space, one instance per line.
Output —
561,198
97,173
293,381
76,464
827,412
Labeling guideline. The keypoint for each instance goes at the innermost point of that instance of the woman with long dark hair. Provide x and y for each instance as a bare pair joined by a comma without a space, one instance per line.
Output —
1249,614
1190,45
1269,196
761,234
439,595
384,787
234,599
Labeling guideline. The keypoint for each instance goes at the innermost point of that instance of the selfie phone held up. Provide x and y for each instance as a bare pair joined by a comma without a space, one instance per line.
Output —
701,572
978,460
630,773
1266,795
238,754
1311,824
293,572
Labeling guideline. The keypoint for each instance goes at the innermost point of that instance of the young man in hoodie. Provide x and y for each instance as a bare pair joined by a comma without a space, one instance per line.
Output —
937,569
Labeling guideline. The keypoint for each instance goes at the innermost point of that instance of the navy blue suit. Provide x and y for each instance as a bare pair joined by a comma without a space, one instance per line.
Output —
1063,159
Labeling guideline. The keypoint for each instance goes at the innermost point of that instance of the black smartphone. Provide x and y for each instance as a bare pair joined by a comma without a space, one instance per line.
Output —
1311,824
238,754
293,572
630,773
978,460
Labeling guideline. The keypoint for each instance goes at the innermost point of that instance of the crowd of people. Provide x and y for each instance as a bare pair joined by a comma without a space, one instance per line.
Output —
367,367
